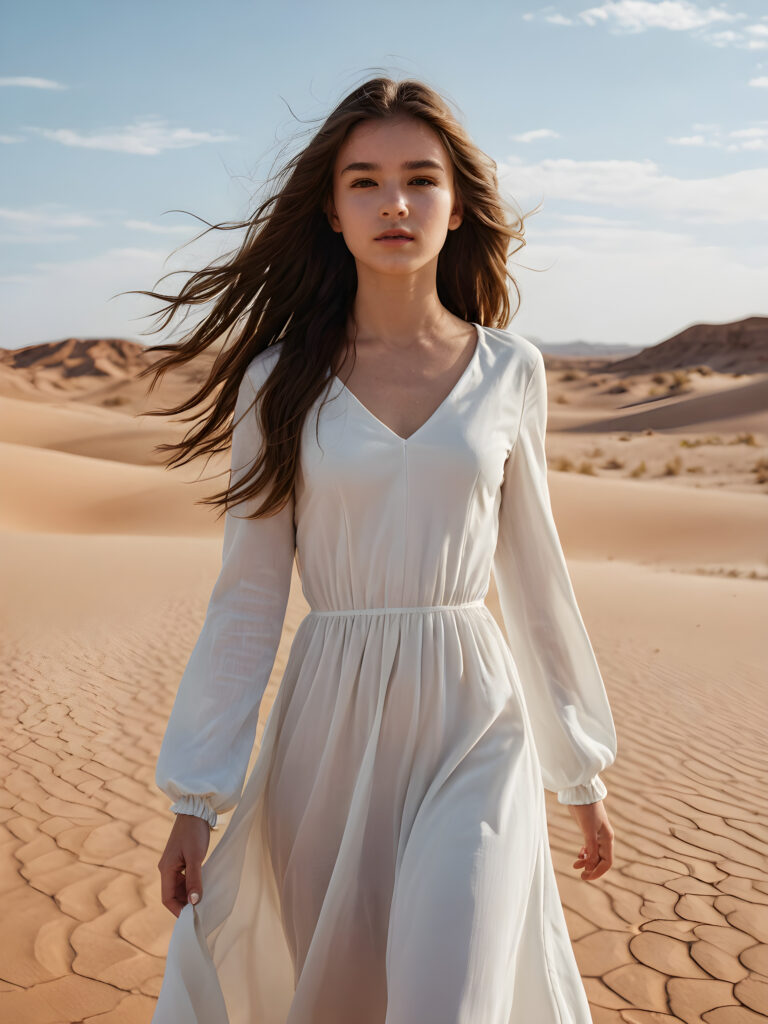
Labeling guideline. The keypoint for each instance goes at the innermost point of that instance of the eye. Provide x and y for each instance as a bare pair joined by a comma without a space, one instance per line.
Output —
363,181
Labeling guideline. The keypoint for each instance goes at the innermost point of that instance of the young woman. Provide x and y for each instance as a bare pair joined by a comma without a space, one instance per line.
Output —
387,861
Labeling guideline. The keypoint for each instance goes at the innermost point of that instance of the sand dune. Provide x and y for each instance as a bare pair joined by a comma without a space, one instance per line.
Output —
81,429
108,566
62,493
714,410
665,525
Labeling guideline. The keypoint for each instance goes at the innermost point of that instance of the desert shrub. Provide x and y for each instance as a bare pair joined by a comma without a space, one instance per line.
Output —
639,469
562,464
614,464
586,467
673,467
711,439
745,439
571,375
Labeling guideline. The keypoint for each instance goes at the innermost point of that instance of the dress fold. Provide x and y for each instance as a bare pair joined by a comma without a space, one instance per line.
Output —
387,859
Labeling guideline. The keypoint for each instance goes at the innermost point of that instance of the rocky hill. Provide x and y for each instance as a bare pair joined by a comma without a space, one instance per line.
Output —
738,347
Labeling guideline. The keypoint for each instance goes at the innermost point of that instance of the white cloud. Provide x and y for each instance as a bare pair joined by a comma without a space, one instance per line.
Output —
158,229
759,83
737,198
49,217
633,286
737,141
641,15
739,39
722,39
146,137
82,295
704,22
8,140
689,140
535,135
40,237
32,83
751,133
48,222
665,260
17,278
42,225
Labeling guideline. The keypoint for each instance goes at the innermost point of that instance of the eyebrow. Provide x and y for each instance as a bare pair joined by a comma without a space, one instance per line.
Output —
409,165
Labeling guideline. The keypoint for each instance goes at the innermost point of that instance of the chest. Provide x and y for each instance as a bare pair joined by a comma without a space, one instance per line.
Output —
351,459
403,395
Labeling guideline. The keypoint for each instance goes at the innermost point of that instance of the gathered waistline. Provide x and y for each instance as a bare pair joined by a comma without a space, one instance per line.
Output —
480,602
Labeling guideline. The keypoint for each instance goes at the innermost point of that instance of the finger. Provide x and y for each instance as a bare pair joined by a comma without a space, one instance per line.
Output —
592,858
194,881
579,862
590,874
170,882
593,854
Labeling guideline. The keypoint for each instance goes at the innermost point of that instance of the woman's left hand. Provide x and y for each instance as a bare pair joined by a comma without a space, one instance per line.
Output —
596,856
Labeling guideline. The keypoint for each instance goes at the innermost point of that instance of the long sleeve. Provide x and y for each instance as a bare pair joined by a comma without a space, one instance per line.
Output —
573,727
212,726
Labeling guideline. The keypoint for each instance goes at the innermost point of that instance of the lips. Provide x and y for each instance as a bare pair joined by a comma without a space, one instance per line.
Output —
394,234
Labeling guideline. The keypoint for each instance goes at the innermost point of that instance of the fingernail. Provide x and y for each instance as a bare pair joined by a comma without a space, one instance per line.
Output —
194,897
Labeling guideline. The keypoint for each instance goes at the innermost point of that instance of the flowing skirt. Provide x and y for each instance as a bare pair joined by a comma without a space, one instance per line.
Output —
388,861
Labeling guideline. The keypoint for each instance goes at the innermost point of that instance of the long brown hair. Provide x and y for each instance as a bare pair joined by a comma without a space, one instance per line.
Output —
293,280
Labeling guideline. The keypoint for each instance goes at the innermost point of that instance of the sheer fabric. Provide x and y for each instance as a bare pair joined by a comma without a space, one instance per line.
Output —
387,860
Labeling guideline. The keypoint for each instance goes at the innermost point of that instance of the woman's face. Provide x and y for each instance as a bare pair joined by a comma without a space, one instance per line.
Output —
387,194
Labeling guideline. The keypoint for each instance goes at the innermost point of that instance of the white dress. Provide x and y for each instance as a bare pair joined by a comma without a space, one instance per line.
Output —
387,861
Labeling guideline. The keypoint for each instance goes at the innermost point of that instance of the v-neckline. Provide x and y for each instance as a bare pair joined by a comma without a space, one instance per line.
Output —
464,376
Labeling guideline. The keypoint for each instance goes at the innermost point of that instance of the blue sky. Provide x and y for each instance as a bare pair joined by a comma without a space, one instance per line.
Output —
640,125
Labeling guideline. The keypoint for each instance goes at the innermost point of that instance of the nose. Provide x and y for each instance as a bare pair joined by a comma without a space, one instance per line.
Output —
393,204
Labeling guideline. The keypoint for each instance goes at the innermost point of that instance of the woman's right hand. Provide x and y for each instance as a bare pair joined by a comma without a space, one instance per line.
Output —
180,865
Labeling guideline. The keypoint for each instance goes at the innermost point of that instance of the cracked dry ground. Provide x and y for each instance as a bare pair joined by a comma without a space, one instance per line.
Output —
676,931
